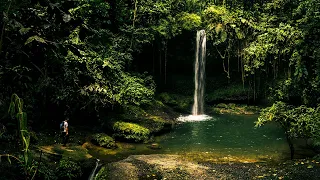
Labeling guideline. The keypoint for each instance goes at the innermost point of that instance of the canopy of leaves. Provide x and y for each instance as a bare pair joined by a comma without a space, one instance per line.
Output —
65,54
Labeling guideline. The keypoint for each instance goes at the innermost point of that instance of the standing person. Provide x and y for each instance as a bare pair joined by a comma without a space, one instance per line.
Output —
65,133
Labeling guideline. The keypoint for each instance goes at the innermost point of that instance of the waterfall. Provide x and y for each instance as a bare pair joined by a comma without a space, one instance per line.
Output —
93,173
199,82
199,73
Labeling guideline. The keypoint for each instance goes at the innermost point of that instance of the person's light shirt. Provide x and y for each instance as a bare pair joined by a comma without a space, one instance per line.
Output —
65,126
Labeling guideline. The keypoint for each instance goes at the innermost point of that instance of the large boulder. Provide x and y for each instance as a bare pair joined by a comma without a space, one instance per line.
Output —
154,166
103,140
130,132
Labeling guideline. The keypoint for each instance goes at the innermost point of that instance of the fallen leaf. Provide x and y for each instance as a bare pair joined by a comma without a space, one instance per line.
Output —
310,166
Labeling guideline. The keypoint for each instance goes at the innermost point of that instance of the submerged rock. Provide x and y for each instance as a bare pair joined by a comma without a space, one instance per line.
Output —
154,146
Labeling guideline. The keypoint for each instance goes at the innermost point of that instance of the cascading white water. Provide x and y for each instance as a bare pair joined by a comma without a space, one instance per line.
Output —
93,173
199,81
199,73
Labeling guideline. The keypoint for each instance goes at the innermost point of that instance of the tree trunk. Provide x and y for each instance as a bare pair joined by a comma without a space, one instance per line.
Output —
290,146
133,21
160,62
153,61
3,27
165,62
254,86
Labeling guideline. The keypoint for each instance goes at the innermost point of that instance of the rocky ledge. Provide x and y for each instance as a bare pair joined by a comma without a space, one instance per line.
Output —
161,166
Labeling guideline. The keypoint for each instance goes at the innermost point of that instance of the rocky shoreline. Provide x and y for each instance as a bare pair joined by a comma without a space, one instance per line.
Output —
166,166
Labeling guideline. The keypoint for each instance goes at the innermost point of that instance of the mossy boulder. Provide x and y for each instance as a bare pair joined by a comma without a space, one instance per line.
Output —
103,140
154,146
156,124
130,132
155,116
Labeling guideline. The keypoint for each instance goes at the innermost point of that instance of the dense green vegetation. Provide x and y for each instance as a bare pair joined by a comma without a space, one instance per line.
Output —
299,122
103,140
103,63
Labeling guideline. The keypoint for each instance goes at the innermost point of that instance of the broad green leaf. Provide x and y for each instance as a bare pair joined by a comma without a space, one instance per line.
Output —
34,38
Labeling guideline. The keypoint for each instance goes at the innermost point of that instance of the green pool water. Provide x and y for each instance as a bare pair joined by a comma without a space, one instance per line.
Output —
227,135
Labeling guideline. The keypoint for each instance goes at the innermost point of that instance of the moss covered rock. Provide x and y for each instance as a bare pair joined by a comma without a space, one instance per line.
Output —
103,140
130,132
233,109
157,125
118,171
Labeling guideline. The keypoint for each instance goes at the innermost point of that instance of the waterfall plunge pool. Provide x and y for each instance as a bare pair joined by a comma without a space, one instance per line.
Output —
227,136
219,138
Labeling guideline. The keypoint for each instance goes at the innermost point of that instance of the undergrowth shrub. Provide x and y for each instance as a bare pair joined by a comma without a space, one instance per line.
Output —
103,140
68,169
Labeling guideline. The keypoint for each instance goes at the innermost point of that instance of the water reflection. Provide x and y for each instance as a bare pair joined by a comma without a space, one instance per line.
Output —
226,135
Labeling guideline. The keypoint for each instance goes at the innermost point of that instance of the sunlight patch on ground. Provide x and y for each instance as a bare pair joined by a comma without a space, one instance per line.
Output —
74,152
194,118
48,149
99,149
223,158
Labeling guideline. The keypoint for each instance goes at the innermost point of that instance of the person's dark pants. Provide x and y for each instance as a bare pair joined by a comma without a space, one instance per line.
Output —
65,138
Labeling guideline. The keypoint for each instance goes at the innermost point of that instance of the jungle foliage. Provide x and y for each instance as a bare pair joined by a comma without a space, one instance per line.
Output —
75,57
79,58
297,122
90,59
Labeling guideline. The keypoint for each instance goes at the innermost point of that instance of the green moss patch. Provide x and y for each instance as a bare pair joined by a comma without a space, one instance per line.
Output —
103,140
157,125
76,153
130,132
233,109
138,123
